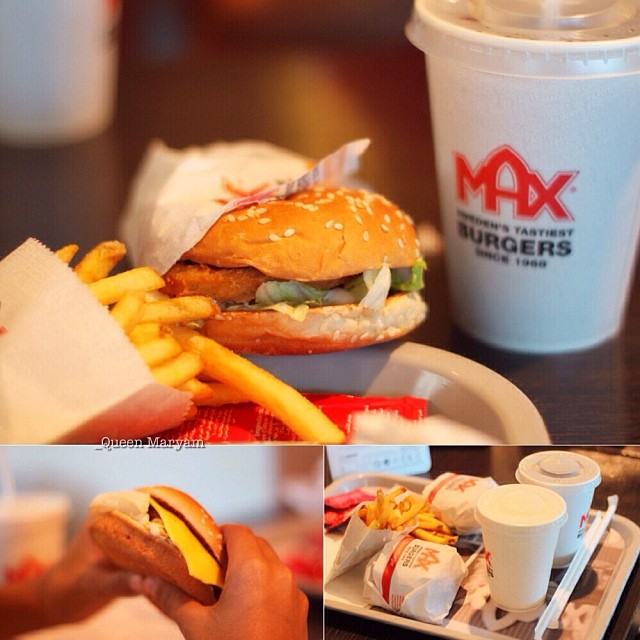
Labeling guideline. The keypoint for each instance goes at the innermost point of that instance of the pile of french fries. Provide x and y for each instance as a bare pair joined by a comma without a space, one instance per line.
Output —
399,508
165,332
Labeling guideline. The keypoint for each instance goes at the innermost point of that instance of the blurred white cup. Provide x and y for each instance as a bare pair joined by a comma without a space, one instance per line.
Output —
58,65
33,530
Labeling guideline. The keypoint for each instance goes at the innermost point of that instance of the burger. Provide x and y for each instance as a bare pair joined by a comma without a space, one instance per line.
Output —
161,531
324,269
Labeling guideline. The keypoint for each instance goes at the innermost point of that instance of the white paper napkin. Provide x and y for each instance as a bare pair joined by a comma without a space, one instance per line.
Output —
179,194
388,428
67,371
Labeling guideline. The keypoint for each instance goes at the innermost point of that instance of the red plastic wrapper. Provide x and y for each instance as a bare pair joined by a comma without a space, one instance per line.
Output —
347,499
338,508
249,422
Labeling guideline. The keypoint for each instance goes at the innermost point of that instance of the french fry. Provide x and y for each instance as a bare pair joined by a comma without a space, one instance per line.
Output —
434,536
111,288
155,352
97,263
407,516
67,253
430,522
128,310
178,370
282,400
179,310
221,394
148,331
200,391
371,519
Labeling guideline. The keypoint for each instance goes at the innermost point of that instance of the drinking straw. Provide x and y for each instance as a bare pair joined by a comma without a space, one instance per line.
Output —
7,480
551,615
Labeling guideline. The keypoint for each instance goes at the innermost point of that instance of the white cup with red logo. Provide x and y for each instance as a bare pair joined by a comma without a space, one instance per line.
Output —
58,63
33,530
537,153
575,478
520,526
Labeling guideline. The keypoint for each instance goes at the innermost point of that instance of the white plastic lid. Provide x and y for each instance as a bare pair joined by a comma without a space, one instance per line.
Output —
559,469
541,38
518,507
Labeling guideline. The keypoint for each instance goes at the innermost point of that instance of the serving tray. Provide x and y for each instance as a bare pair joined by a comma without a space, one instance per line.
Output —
586,616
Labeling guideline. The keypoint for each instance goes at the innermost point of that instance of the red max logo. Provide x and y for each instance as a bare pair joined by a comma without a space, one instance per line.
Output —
466,484
529,193
487,558
426,558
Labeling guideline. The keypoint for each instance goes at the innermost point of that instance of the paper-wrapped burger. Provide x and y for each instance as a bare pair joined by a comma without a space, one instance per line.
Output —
415,578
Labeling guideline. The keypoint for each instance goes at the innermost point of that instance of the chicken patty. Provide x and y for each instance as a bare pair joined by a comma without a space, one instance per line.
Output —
225,286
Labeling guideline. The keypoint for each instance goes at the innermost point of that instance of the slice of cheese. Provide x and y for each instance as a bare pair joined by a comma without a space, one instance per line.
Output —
201,564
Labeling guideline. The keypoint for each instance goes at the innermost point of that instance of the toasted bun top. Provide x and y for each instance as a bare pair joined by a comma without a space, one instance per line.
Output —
317,234
194,515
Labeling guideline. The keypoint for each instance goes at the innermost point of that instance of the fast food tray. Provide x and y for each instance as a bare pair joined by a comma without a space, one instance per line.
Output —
457,388
586,616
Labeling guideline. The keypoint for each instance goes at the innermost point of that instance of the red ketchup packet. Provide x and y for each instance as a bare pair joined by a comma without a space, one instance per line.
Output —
338,508
248,422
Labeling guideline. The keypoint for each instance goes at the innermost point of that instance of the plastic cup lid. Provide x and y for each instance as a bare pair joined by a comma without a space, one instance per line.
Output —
541,38
555,469
520,507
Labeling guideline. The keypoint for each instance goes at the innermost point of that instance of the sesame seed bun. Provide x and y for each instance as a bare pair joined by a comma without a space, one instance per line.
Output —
131,545
321,236
317,234
324,330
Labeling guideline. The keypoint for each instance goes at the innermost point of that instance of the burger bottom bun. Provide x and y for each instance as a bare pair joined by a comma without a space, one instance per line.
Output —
325,329
127,544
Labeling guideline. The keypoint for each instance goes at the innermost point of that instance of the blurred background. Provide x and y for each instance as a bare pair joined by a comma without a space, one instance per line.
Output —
190,72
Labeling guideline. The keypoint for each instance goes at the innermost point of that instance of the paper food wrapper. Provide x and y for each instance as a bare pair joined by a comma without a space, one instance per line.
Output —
453,498
415,578
178,195
361,543
67,370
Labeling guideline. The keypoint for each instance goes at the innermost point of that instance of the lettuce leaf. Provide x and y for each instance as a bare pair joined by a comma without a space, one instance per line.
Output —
409,279
370,289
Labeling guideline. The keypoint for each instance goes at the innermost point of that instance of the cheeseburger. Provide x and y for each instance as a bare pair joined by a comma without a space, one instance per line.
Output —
324,269
162,532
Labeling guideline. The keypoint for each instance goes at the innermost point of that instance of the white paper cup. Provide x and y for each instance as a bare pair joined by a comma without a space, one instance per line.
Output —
572,476
537,152
520,525
58,61
33,529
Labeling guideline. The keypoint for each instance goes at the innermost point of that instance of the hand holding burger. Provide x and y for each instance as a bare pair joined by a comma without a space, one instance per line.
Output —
260,597
214,582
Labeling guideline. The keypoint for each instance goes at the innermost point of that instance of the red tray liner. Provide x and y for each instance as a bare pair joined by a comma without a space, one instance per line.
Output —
249,422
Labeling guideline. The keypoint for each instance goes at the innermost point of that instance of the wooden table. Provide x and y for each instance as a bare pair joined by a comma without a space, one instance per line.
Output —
187,79
620,470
